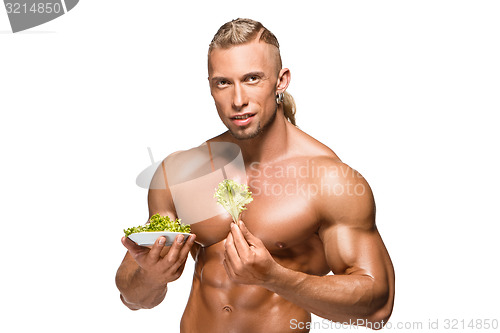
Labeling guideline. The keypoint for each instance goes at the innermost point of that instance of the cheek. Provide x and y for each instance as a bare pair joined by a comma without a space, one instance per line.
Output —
219,104
221,98
220,110
265,97
270,102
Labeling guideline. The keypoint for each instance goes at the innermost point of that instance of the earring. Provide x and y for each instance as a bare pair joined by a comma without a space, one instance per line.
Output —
279,98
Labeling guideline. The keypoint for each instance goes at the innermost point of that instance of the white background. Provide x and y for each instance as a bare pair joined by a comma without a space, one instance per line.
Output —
406,92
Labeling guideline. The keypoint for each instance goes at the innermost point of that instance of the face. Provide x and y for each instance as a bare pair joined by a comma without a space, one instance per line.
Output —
243,82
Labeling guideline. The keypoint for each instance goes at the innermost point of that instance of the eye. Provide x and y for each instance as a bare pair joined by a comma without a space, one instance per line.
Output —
221,83
252,78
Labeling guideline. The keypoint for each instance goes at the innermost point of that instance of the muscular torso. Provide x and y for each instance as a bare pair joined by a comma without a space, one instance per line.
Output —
283,215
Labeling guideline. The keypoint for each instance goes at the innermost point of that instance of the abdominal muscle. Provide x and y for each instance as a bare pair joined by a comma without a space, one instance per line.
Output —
216,304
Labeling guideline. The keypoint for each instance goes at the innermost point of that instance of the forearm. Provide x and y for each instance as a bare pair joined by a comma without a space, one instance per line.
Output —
340,298
137,290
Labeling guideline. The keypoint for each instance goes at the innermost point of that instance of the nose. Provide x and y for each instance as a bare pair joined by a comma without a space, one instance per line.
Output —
240,98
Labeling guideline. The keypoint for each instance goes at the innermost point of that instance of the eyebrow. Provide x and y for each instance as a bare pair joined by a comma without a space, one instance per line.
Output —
254,73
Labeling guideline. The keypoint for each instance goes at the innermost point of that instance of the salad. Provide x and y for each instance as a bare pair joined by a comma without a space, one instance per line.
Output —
159,223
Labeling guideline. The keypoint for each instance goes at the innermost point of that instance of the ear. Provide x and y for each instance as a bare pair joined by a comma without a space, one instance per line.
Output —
283,80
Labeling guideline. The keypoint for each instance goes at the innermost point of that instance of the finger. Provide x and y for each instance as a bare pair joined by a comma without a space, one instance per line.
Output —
183,252
173,253
177,266
188,244
136,252
154,254
228,269
250,238
182,261
231,254
240,242
224,263
132,247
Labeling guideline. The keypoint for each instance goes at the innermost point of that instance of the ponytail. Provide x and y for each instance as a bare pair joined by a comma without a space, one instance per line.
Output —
289,108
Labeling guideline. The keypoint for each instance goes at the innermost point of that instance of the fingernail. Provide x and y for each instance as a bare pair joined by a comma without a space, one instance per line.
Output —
161,241
179,238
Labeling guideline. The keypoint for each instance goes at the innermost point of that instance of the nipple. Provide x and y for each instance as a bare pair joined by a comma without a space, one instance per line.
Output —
280,245
227,309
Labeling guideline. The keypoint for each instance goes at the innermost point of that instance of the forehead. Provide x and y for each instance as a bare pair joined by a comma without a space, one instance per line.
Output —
241,59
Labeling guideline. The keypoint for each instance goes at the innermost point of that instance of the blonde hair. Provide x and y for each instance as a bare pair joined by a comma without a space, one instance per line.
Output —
241,31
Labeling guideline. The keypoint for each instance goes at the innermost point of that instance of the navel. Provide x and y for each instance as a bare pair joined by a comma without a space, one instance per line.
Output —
227,309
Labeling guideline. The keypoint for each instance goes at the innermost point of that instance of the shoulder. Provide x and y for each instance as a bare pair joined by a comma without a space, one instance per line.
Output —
332,171
341,194
344,196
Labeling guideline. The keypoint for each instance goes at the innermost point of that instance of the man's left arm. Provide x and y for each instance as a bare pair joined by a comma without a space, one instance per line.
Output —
362,289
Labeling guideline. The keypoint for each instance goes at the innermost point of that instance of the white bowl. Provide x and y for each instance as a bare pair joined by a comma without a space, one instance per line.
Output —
149,237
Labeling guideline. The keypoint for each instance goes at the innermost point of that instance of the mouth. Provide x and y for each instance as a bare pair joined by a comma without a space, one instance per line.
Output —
242,119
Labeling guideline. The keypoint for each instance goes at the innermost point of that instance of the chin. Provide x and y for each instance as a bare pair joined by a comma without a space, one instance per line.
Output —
246,135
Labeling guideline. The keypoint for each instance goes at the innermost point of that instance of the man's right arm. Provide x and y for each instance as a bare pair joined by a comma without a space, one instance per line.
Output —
144,272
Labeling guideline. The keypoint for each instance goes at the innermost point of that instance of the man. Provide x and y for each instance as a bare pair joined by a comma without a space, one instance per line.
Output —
311,214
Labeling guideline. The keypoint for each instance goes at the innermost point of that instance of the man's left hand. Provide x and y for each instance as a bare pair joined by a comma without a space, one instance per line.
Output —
246,259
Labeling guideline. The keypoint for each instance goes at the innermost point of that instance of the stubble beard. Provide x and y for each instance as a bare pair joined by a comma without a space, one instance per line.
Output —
257,131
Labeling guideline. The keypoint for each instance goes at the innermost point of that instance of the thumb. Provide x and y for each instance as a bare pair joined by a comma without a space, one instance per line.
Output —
251,239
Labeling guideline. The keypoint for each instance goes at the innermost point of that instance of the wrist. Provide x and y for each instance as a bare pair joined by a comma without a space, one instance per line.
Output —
282,278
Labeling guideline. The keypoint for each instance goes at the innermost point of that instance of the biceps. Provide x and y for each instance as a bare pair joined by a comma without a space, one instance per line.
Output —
361,252
354,251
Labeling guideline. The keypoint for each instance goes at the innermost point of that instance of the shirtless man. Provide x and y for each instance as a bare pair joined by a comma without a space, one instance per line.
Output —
311,214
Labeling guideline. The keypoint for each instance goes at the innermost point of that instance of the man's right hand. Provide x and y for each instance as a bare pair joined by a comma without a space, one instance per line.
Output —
161,264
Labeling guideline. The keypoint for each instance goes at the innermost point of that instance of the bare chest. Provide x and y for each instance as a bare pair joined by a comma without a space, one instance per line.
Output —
281,215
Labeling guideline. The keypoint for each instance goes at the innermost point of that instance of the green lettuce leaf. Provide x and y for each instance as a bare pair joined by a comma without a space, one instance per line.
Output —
233,197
